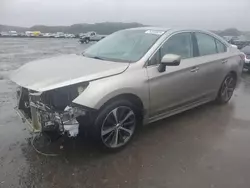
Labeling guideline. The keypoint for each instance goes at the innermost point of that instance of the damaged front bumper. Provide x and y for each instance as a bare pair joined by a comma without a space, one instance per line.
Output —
40,118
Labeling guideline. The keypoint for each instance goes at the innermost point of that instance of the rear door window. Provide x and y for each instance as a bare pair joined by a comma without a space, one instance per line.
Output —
206,44
221,48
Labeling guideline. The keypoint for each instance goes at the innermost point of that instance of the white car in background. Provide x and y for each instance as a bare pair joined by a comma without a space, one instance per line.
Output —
91,36
69,36
4,34
48,35
13,33
59,35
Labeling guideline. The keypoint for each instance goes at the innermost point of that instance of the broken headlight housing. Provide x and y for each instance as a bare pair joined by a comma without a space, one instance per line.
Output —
60,98
52,110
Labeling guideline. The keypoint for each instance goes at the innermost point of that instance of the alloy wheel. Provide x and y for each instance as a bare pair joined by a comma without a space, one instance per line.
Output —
228,88
118,127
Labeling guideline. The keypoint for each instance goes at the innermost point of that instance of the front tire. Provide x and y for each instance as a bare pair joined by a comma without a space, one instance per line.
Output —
227,88
116,124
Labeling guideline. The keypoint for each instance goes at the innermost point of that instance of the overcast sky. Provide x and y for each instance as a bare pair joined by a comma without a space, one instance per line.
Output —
208,14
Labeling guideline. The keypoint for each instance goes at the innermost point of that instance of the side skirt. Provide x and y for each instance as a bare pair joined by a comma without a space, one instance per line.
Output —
178,110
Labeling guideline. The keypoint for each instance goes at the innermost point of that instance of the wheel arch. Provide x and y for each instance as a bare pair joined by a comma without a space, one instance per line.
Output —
127,96
234,74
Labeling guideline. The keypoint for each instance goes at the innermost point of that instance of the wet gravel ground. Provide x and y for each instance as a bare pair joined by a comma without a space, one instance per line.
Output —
207,147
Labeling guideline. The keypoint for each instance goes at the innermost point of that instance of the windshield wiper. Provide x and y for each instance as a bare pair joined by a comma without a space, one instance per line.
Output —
107,59
96,57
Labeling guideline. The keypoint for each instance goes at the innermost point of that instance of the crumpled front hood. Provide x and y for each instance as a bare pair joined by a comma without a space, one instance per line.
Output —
51,73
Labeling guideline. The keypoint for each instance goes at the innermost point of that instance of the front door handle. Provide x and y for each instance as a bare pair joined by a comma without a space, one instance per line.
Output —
224,61
194,69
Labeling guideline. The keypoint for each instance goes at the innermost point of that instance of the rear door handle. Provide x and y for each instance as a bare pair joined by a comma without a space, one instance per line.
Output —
194,69
224,61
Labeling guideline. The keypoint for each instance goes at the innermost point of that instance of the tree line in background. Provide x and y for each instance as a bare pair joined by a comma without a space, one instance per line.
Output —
104,28
101,28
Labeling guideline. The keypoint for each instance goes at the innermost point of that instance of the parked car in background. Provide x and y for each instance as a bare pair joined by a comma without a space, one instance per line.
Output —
59,35
48,35
132,77
33,33
70,36
4,34
228,38
91,36
246,51
13,33
240,41
21,34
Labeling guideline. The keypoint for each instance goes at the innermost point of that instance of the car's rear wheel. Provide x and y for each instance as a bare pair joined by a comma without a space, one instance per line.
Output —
86,40
116,125
227,88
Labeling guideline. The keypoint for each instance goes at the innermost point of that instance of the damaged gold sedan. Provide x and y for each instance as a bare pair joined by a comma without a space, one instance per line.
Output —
132,77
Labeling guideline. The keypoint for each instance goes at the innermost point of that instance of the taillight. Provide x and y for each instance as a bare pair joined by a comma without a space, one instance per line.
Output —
243,56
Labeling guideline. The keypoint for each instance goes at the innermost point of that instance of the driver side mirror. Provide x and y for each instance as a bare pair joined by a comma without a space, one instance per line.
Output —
169,60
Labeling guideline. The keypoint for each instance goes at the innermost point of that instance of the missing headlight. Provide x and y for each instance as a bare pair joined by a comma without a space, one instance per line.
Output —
60,98
52,110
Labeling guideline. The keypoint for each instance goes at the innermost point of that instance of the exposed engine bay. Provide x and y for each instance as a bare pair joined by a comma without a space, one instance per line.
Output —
51,110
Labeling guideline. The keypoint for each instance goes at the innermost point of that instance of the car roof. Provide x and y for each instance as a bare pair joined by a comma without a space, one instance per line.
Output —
165,29
150,28
179,29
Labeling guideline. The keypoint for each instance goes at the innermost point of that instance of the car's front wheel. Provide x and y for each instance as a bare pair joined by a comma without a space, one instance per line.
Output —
116,124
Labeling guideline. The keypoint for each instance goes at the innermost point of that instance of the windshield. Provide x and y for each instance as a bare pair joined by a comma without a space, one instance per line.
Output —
123,46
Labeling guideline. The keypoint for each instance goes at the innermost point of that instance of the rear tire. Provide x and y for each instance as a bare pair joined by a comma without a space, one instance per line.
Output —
226,90
116,125
86,40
